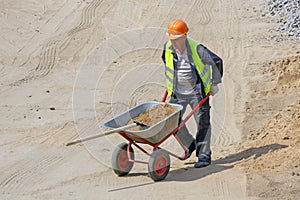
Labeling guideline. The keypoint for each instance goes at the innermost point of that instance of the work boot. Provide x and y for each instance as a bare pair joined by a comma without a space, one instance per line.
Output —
200,163
203,161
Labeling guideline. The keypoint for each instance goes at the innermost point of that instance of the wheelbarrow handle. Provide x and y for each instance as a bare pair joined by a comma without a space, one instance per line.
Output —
122,128
165,96
182,123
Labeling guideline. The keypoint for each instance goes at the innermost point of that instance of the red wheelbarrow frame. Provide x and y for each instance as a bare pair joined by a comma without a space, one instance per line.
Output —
128,135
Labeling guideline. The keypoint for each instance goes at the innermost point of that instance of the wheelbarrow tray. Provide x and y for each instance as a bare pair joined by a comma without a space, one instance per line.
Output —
153,134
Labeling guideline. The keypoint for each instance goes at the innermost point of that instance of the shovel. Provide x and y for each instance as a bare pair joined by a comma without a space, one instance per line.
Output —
121,128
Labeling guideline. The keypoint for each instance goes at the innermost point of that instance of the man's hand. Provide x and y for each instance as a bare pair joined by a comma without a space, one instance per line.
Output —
214,89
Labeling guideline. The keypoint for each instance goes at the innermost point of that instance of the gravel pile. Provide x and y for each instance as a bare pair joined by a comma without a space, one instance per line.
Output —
287,13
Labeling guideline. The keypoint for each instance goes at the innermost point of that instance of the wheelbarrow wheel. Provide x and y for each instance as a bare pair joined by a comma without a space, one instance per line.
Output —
159,165
120,160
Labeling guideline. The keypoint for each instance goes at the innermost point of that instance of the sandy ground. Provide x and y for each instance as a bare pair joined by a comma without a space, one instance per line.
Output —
68,66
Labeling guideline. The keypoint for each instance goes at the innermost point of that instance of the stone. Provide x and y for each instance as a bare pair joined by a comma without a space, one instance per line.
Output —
287,16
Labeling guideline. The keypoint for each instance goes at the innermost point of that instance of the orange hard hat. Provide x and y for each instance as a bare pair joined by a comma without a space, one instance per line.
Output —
176,29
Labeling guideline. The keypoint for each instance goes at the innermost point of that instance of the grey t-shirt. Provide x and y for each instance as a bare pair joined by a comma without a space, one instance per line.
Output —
185,84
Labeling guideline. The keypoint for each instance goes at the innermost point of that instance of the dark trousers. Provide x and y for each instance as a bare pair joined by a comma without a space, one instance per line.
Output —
202,118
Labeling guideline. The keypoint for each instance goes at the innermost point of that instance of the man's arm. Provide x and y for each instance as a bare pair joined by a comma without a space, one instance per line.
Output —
209,58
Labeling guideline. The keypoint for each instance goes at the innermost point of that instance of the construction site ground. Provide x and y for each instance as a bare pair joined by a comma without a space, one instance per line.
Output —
68,66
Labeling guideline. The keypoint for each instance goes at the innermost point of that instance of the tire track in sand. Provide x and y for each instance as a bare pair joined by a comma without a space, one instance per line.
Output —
50,50
56,45
26,174
233,51
1,69
203,7
47,59
87,17
223,137
58,137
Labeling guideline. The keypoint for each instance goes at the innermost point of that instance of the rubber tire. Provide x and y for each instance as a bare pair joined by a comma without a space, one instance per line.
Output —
120,161
159,165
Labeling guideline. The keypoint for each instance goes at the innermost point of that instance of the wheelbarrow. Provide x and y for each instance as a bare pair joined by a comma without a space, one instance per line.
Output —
159,162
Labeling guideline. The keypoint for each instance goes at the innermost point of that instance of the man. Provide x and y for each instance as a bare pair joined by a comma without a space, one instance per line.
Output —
192,71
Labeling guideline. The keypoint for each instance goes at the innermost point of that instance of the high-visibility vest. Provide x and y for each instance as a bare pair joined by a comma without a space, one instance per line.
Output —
202,70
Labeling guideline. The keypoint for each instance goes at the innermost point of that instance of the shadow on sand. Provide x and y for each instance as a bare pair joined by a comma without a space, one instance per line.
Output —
190,173
222,164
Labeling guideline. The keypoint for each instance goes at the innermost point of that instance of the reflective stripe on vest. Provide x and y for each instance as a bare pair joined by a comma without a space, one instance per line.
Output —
202,70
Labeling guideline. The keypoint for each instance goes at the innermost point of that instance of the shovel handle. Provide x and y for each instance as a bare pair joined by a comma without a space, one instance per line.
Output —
122,128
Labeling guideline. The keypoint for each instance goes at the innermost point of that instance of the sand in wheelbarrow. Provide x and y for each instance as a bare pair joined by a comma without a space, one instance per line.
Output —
153,115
